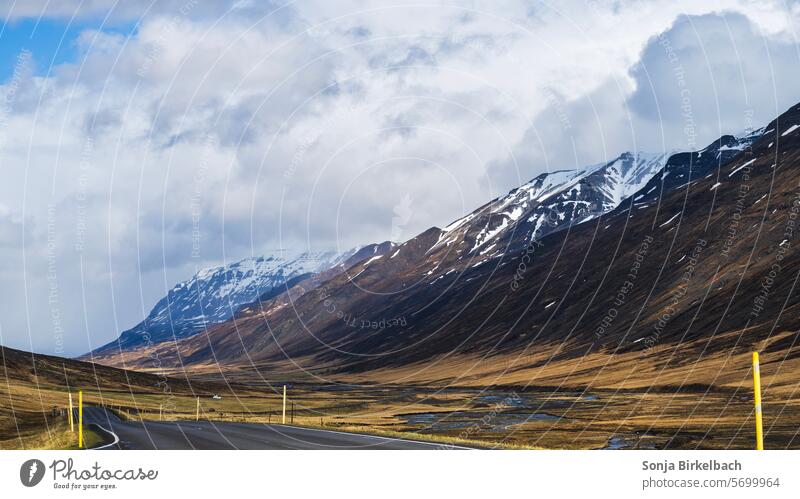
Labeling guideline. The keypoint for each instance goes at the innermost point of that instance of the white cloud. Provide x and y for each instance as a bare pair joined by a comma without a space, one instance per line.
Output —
258,126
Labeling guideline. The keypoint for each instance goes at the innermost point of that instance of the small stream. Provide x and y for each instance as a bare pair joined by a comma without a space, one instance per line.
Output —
497,411
457,420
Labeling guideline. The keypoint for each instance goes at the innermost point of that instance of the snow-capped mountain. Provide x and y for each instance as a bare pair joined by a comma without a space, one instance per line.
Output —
215,294
475,289
550,202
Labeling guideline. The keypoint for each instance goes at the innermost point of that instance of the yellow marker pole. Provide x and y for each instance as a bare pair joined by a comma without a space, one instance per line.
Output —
197,414
80,420
160,408
284,404
757,400
71,417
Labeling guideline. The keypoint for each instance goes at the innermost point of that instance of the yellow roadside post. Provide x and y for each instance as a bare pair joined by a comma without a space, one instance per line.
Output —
80,419
284,404
757,400
71,420
197,413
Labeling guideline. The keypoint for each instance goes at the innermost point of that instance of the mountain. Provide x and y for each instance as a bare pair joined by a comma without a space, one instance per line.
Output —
214,295
548,203
665,288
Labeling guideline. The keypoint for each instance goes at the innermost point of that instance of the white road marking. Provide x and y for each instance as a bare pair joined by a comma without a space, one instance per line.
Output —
115,442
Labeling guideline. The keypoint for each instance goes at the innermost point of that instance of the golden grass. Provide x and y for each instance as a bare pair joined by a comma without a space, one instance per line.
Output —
57,437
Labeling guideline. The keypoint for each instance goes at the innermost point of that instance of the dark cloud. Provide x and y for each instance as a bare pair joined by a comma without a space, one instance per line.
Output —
703,77
717,71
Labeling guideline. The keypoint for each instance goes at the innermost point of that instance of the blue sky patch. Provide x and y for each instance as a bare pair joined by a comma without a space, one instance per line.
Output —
50,41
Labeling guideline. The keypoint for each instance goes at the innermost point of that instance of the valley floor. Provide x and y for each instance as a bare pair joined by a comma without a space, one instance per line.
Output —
487,418
697,396
649,400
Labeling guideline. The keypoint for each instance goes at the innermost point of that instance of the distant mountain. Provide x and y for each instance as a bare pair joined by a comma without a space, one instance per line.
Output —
548,203
540,270
215,294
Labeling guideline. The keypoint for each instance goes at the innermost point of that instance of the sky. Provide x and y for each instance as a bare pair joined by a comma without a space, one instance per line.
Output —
141,141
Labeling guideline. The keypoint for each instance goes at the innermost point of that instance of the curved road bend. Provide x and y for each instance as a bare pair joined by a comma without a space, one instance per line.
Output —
209,435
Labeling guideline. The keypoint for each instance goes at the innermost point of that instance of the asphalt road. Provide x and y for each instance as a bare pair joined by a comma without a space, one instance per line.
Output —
209,435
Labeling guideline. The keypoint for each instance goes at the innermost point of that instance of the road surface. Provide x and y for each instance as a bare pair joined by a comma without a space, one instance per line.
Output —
210,435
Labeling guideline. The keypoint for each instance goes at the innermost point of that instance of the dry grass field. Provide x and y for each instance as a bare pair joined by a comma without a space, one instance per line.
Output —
657,399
